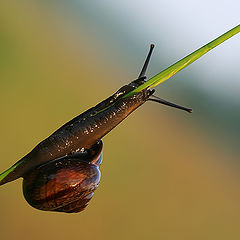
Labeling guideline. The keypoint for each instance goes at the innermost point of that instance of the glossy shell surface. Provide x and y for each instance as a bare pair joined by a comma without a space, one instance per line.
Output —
66,184
62,186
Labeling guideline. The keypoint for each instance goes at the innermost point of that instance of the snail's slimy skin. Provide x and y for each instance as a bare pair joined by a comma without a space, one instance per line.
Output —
82,132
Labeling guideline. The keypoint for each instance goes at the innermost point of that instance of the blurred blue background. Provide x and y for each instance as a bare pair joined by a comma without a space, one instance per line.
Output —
166,174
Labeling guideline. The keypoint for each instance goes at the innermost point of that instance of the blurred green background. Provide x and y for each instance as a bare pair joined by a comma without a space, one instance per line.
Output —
166,174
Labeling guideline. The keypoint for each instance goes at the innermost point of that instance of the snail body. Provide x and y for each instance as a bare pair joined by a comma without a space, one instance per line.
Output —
62,172
79,134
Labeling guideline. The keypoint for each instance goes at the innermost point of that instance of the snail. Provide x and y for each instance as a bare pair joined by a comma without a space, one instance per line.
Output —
62,172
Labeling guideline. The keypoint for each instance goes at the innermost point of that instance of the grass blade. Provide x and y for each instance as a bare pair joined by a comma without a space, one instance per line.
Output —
184,62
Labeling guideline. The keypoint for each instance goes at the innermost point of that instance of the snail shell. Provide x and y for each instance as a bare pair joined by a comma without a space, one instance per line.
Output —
66,184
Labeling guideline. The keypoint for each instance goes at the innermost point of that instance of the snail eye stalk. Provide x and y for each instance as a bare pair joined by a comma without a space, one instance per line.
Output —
162,101
144,69
142,78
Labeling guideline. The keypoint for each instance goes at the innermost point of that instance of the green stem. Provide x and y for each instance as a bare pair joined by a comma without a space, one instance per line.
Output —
5,173
178,66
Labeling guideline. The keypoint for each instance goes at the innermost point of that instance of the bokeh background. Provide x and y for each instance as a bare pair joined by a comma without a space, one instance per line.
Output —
166,174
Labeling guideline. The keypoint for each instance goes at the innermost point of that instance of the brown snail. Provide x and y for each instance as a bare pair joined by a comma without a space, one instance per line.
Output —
62,172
